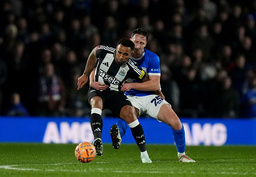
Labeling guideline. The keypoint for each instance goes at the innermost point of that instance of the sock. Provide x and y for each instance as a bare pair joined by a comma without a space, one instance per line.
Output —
179,139
138,134
96,122
122,126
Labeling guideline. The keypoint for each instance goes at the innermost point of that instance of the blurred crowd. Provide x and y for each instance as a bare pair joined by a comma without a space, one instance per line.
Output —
206,48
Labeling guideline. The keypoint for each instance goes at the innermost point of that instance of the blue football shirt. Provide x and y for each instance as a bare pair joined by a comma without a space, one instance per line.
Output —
150,63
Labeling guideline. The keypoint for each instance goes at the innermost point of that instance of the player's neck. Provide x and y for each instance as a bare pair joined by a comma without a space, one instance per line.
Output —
138,57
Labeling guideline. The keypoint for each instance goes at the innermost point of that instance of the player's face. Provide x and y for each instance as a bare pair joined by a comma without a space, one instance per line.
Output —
140,42
122,54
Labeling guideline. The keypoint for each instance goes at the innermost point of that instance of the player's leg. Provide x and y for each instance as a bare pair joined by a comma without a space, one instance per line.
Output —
96,123
160,109
128,114
118,130
122,125
167,115
121,107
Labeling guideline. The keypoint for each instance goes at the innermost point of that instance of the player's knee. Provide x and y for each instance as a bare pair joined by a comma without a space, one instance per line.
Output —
177,125
96,102
128,114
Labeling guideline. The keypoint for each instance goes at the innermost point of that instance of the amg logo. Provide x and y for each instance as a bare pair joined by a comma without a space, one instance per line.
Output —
108,78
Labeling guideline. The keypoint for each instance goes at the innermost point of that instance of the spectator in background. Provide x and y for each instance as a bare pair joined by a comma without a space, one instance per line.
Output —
191,94
45,57
203,40
216,31
235,18
18,71
227,101
51,92
67,67
250,25
180,71
74,35
23,31
225,58
222,17
170,88
159,32
213,87
238,73
57,22
58,54
250,99
210,9
77,102
247,49
109,34
87,28
16,108
236,39
45,34
42,24
10,38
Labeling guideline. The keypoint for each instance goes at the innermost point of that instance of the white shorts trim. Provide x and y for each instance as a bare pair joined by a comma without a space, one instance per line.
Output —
149,104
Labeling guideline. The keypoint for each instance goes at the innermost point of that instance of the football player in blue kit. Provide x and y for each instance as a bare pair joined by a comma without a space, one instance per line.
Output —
146,99
112,67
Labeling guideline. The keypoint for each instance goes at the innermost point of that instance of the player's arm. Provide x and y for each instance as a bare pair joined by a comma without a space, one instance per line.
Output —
152,84
91,61
96,85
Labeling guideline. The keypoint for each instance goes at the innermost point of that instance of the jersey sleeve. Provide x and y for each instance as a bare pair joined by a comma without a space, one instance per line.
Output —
154,65
98,51
135,71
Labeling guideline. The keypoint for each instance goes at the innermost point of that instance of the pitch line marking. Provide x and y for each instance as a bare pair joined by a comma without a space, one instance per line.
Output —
106,170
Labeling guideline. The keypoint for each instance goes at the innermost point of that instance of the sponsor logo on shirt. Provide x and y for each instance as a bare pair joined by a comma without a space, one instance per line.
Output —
107,78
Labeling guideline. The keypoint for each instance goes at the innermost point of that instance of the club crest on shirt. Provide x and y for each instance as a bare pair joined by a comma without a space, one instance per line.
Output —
122,73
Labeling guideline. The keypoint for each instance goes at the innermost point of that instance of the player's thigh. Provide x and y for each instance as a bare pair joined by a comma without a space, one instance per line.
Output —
116,101
154,104
137,102
127,113
167,115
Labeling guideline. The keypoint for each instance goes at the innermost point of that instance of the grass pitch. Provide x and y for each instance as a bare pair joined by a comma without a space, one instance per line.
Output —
58,160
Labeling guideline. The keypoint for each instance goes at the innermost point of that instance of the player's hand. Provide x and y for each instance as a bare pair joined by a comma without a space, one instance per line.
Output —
98,86
126,87
81,81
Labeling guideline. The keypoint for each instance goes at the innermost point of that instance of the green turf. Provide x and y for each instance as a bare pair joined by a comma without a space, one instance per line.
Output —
58,160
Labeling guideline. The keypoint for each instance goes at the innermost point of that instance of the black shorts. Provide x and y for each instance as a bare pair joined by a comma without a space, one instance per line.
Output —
112,100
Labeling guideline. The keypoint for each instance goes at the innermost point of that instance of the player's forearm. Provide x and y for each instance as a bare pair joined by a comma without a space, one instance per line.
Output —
152,84
92,77
145,86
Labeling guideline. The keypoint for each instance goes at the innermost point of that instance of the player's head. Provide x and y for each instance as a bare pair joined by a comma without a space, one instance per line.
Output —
140,38
124,50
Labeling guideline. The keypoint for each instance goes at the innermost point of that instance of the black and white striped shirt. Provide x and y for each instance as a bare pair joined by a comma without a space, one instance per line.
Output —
113,74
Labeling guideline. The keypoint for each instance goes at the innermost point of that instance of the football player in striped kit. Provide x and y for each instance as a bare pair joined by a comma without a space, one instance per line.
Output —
146,100
112,67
